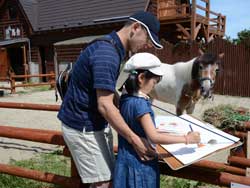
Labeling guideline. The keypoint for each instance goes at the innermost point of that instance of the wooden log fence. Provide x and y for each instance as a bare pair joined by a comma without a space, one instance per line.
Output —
239,161
204,170
13,85
40,176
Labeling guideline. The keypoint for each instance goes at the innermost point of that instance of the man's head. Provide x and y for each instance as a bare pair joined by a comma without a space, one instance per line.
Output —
143,31
151,24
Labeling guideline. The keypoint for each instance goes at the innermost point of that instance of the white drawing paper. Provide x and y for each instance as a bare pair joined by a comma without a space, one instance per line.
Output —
192,152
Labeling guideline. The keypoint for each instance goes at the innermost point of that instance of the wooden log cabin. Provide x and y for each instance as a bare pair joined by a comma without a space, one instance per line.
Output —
30,28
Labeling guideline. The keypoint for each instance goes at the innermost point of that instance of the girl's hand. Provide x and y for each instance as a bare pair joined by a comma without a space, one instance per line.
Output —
193,138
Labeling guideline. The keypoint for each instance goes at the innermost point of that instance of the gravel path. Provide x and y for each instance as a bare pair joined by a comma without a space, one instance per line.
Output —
17,149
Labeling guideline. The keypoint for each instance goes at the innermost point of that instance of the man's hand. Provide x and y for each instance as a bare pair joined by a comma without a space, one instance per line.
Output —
107,108
143,148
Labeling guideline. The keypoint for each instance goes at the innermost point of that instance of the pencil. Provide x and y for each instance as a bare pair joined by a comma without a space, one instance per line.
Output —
199,144
190,126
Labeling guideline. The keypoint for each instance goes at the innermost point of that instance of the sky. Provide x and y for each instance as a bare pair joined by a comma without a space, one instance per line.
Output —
237,14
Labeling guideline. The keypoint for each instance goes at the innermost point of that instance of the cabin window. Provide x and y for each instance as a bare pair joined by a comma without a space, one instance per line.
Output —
12,12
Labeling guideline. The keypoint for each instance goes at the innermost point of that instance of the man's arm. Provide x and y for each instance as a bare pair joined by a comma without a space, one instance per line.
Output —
116,99
107,108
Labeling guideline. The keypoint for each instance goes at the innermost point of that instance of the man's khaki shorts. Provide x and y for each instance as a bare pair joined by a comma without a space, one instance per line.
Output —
92,153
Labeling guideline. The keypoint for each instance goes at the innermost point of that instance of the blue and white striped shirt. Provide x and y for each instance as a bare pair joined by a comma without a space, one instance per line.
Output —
96,68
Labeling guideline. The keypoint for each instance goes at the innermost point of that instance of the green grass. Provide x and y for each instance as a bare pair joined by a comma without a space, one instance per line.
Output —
52,163
27,90
41,88
173,182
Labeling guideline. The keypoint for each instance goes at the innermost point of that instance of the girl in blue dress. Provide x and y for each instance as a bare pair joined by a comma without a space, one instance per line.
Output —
135,106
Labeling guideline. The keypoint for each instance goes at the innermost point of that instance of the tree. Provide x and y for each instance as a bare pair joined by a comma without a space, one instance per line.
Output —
243,37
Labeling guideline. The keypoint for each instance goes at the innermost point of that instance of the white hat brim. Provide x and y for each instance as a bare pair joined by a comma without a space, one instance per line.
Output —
157,71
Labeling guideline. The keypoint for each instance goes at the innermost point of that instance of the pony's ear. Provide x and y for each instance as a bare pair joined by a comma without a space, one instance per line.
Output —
221,55
201,52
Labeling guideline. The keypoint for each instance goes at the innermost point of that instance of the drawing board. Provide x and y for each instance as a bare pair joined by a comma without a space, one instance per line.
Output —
187,154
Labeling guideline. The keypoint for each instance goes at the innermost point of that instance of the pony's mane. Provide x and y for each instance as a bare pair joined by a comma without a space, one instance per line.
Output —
204,59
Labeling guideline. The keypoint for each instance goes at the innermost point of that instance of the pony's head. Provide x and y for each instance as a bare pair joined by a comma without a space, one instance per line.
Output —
205,69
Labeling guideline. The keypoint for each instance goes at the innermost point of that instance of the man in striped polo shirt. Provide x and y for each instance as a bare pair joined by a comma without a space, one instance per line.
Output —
88,108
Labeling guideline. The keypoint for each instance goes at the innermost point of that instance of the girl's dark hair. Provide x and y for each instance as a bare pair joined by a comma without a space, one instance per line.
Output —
132,83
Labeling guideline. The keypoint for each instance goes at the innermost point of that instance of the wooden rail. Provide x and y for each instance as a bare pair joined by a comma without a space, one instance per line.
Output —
55,137
13,77
40,176
206,171
37,135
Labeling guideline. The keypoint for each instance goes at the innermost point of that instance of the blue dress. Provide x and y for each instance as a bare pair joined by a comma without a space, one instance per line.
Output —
130,171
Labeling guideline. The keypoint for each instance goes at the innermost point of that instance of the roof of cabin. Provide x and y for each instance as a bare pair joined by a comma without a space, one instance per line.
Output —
51,14
80,40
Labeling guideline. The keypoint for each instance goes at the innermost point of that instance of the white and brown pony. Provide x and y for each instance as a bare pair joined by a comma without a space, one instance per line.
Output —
184,83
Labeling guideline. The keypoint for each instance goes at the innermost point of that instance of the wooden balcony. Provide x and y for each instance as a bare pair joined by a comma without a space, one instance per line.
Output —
193,20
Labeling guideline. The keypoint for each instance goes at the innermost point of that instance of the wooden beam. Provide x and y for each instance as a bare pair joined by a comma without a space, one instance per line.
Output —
206,1
211,37
193,20
206,33
196,30
208,15
186,33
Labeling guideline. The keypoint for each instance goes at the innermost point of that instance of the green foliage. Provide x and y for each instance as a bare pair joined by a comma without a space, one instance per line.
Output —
45,162
225,117
243,37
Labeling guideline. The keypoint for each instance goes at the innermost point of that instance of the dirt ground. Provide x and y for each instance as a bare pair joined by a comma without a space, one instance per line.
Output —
18,149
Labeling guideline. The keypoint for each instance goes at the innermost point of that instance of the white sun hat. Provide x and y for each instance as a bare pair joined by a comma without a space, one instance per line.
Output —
142,61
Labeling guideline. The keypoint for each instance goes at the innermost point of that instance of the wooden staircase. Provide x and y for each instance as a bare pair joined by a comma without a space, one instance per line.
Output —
182,20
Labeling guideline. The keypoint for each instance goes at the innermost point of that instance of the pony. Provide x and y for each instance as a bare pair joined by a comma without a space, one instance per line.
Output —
184,83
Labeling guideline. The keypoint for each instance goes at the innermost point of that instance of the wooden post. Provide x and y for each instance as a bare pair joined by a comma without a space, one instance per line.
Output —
208,19
55,62
12,83
51,79
158,9
25,63
219,23
248,145
193,20
224,24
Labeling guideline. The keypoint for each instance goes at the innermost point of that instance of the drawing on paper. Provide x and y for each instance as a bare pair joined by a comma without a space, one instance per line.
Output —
212,139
